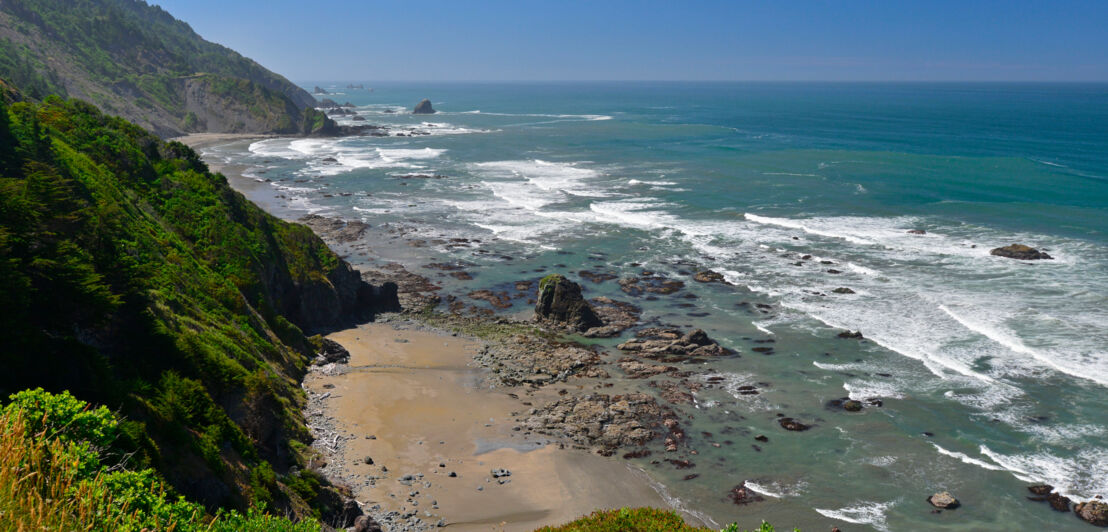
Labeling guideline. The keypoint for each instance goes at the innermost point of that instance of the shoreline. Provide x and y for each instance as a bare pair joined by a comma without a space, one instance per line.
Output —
411,402
411,383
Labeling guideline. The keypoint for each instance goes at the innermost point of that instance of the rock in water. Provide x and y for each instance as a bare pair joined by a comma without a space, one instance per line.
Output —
709,276
944,500
1059,502
741,495
1020,252
1094,512
423,108
560,301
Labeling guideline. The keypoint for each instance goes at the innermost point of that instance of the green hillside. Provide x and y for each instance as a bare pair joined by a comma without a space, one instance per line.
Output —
134,278
137,61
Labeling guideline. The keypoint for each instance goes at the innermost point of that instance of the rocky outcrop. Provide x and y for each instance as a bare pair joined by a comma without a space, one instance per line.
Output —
671,345
525,359
1058,502
601,420
789,423
331,352
1020,252
560,302
423,108
617,316
741,495
651,283
709,276
319,90
1093,512
944,500
337,229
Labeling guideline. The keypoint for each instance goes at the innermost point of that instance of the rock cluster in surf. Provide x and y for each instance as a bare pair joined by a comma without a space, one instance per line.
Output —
1020,252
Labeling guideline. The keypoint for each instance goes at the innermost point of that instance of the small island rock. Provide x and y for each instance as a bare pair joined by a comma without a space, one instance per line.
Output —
423,108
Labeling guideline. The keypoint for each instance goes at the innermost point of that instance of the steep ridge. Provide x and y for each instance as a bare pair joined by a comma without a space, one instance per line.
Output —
135,60
134,278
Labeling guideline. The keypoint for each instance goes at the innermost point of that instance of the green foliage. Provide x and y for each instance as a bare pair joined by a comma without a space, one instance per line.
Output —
65,418
256,521
640,520
131,273
627,520
45,436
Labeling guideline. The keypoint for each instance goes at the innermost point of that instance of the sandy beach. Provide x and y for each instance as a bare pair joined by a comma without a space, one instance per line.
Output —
410,402
411,408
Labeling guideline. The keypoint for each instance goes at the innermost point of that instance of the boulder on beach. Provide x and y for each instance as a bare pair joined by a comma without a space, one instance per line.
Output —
331,352
944,500
423,108
560,301
1020,252
1093,512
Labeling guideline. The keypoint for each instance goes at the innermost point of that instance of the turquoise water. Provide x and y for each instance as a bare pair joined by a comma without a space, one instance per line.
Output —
1003,363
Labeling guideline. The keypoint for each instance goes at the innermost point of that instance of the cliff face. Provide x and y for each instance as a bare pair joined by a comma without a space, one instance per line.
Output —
136,61
134,278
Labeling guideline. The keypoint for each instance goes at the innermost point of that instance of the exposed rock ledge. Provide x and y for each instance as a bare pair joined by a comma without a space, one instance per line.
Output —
1020,252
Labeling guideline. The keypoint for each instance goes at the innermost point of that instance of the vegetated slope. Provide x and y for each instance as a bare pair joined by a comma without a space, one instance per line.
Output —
134,278
135,60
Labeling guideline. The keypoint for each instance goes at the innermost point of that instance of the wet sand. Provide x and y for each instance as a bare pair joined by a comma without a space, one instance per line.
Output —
414,394
199,141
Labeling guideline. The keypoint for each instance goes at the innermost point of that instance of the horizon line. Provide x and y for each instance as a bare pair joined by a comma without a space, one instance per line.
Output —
1045,82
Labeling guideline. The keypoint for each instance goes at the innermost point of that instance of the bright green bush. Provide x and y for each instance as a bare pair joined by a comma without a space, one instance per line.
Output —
639,520
46,441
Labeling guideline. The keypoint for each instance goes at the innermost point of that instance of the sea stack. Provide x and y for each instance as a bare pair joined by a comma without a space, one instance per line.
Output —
560,302
423,108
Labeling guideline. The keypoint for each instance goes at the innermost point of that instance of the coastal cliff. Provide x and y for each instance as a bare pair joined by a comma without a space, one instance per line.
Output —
135,60
135,278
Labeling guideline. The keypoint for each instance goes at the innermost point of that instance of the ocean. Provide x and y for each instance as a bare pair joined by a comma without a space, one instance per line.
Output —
992,373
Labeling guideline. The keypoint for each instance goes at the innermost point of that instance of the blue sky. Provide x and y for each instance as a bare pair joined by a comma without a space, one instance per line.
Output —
381,40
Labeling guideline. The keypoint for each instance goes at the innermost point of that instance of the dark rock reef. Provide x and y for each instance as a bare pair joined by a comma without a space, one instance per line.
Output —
1020,252
671,345
1093,512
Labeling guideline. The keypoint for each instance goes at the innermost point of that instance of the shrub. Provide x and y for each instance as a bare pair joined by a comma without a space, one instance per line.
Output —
52,477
